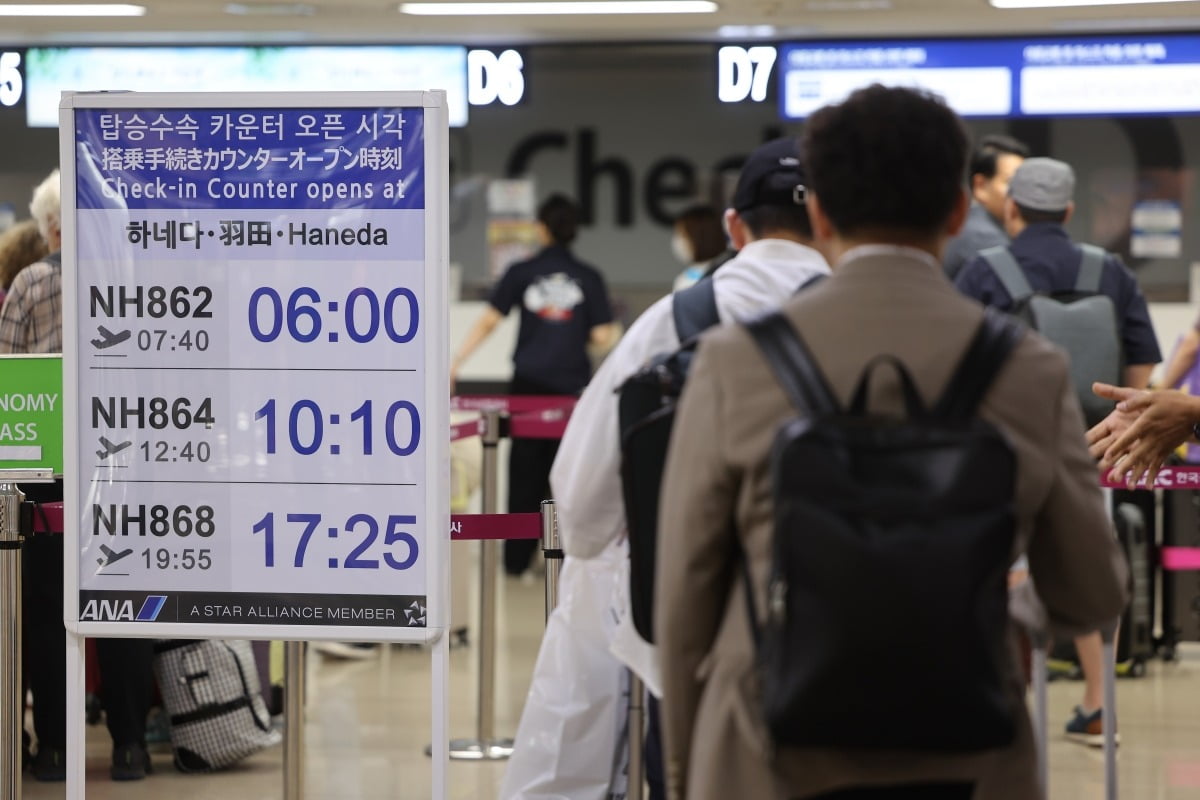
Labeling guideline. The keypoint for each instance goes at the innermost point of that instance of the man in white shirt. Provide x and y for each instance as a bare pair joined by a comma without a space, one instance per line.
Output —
768,225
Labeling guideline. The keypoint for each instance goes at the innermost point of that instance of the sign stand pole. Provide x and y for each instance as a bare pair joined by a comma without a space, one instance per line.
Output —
76,732
293,720
440,748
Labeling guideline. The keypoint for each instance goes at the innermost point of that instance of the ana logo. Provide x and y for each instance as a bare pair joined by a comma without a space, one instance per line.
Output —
122,610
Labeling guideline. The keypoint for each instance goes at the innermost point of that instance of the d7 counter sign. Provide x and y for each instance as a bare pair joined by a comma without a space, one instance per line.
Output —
252,354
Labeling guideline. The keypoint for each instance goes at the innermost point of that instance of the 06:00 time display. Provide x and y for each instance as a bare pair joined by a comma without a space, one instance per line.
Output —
301,315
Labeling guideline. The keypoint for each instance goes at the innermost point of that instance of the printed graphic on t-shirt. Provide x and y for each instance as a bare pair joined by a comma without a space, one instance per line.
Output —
554,297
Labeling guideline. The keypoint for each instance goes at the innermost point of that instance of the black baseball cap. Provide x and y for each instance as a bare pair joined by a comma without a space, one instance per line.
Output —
773,175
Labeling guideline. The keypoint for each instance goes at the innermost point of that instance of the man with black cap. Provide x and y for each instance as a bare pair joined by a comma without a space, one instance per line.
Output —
768,225
1040,202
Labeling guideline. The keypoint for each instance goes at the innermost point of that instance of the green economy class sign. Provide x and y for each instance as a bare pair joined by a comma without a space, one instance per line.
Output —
31,412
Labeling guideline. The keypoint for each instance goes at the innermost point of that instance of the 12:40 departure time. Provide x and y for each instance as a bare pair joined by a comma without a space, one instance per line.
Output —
166,452
363,556
306,427
363,315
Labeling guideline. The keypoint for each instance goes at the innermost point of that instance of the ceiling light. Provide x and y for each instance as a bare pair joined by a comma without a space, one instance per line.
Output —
561,7
72,10
1125,24
746,31
1074,3
270,9
850,5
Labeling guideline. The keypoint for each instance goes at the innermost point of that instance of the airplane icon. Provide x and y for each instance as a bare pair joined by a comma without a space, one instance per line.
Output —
109,339
111,555
110,448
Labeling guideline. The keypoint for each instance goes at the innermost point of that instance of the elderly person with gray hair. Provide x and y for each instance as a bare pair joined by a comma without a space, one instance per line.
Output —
31,322
31,318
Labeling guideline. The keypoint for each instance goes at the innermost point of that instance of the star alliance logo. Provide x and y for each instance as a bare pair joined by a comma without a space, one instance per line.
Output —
415,614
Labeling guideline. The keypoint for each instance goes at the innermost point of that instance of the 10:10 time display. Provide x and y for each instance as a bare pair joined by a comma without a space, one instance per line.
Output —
309,441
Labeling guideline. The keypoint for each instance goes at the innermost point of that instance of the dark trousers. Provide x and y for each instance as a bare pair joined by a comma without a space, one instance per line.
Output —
923,791
126,674
529,464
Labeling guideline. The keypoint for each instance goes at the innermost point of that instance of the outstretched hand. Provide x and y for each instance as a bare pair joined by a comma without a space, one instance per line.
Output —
1101,437
1135,440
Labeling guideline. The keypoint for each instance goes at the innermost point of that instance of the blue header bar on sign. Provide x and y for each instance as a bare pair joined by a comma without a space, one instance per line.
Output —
244,158
1086,75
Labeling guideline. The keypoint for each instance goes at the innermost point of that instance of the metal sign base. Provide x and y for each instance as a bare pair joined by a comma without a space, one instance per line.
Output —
476,750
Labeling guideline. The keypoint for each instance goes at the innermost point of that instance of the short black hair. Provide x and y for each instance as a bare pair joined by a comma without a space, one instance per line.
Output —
983,158
886,159
762,221
560,215
1034,215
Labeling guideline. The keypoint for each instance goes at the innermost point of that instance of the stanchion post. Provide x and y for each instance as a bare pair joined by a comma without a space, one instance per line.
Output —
637,736
552,551
1039,644
293,720
485,747
1108,635
11,703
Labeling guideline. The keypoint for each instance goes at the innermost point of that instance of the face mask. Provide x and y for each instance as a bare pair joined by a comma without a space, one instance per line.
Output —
681,248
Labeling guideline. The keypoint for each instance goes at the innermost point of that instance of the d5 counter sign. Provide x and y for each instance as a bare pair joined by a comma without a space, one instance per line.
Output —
255,325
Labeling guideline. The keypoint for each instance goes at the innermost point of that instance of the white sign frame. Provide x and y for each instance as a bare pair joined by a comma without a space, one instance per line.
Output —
435,414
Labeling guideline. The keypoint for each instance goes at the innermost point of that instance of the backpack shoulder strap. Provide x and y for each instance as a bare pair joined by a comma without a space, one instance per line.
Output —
793,365
989,349
1001,260
1091,267
812,281
695,309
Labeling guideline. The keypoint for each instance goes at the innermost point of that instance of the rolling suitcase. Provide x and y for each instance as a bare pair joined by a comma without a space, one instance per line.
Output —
211,691
1135,640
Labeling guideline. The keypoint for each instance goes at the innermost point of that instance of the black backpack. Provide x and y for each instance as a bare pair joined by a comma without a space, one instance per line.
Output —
646,412
887,615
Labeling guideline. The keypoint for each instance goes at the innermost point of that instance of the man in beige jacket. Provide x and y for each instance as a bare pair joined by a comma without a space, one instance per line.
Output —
884,172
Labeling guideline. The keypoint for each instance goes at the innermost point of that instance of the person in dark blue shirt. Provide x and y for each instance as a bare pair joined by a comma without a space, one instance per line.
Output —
564,309
1051,261
1040,201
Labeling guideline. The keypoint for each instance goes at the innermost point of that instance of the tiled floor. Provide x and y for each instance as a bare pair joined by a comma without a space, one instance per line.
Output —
368,722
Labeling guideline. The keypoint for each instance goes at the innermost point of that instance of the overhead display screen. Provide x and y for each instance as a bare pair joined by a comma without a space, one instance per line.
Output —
1095,75
51,70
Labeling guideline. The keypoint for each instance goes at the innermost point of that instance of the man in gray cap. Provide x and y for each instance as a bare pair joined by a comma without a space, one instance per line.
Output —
1040,202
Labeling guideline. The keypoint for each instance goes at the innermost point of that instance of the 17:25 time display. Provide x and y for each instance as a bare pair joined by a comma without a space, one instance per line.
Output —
362,524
